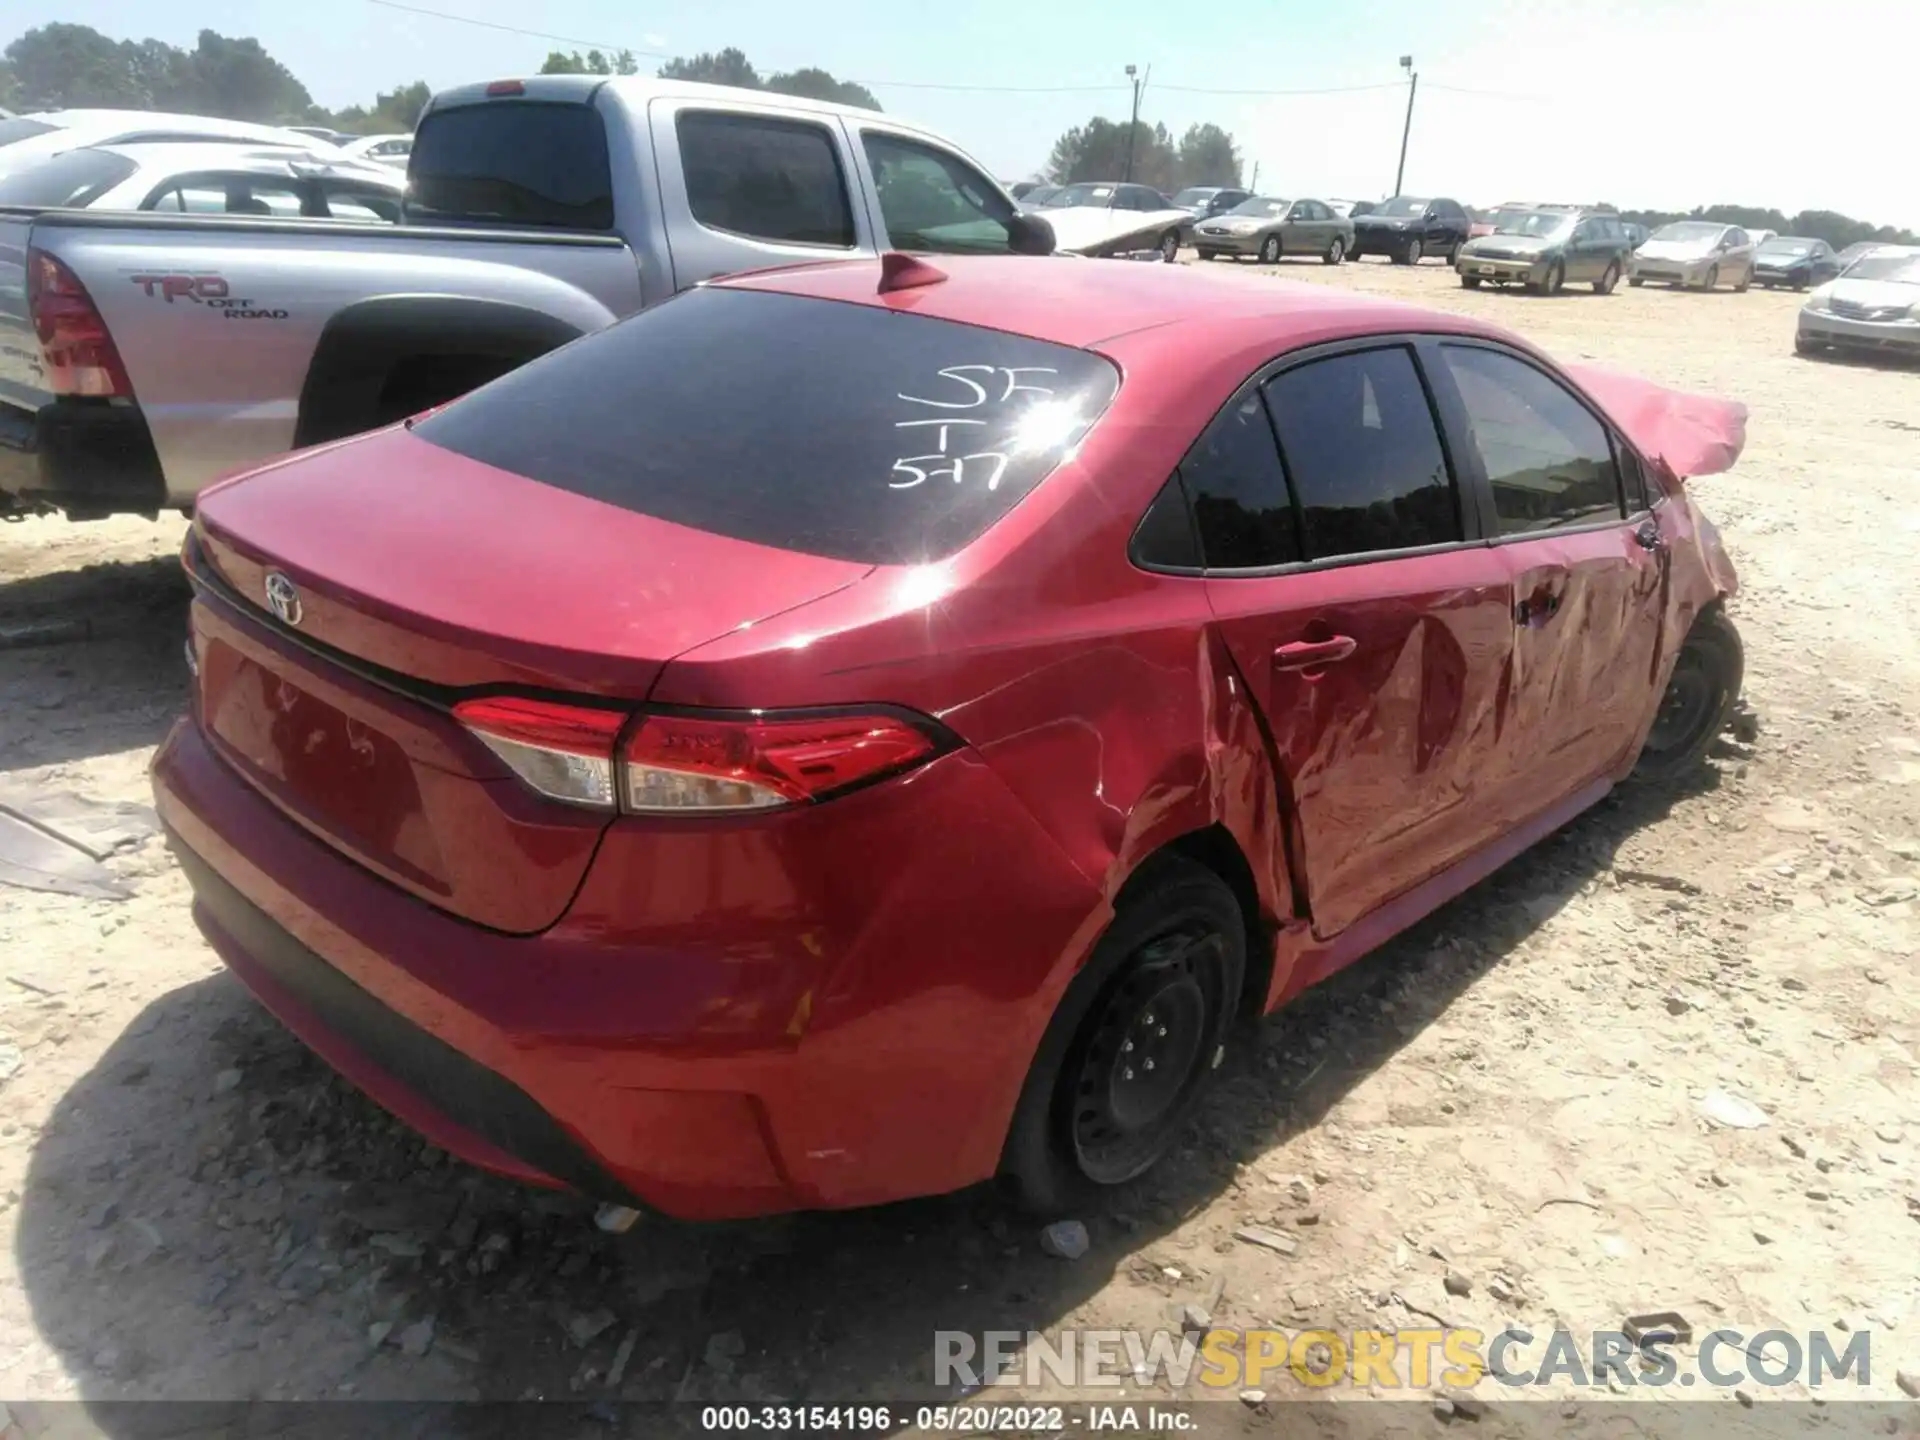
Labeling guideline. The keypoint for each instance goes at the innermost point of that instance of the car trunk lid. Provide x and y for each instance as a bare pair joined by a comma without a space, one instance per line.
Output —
351,596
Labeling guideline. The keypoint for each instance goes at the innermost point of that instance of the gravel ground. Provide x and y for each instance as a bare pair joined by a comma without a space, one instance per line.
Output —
1512,1092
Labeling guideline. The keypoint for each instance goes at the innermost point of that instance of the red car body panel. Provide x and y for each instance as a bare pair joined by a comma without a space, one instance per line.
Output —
837,1004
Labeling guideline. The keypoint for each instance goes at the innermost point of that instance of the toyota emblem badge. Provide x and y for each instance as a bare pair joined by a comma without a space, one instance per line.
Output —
282,598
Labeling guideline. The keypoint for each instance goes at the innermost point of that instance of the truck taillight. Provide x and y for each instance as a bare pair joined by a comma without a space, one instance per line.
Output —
80,355
692,763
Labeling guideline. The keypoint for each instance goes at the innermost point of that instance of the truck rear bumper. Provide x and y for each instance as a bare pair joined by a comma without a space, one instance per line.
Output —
86,458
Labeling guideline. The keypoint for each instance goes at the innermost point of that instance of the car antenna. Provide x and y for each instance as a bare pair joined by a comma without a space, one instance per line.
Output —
903,272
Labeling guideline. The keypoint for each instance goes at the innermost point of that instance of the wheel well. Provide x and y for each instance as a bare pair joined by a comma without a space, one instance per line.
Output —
1217,850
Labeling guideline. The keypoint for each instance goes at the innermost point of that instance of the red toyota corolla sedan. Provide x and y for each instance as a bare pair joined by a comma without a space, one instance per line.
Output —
860,729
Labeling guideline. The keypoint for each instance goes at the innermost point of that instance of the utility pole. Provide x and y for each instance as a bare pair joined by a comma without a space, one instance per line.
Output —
1254,183
1413,86
1133,75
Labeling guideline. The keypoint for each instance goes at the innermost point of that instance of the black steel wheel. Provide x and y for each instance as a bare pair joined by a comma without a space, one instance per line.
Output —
1699,697
1134,1042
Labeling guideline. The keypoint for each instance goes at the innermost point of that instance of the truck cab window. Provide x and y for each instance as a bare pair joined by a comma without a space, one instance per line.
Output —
933,203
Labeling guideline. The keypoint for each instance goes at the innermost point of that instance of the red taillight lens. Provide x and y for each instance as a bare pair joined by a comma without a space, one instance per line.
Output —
506,87
563,751
80,354
676,764
690,764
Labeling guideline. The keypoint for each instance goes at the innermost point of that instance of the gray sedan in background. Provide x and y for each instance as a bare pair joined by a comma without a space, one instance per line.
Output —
1268,228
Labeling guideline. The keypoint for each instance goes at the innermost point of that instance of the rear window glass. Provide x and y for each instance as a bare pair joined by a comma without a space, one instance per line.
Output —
17,129
76,178
512,162
819,426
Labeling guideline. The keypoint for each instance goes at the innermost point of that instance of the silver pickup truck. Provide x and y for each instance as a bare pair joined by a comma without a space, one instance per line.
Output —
144,354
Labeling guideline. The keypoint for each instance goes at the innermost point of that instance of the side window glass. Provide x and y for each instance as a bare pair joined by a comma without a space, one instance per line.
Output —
1364,454
169,201
1239,492
1166,538
1633,481
348,204
1549,461
246,196
932,202
766,179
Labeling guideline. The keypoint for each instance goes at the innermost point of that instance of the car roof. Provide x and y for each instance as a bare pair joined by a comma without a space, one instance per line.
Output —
1072,301
178,157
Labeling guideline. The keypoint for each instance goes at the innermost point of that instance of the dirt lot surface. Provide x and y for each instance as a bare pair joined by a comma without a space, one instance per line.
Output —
1513,1092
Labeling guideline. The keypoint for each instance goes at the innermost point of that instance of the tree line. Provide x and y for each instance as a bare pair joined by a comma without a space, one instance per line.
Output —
63,65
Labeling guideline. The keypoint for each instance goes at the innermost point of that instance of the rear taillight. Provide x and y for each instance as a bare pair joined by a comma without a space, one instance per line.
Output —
686,764
80,355
677,763
563,751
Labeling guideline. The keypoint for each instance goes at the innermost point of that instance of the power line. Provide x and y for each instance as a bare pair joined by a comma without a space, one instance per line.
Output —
1327,90
516,30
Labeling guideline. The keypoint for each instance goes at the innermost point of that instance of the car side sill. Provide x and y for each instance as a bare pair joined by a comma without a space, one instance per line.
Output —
1301,961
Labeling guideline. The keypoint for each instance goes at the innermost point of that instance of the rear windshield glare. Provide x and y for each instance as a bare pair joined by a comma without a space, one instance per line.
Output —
76,178
818,426
512,162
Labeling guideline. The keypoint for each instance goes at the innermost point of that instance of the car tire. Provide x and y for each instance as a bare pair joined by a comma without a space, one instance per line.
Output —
1204,254
1699,697
1169,246
1636,281
1800,284
1469,282
1416,252
1270,250
1806,347
1172,959
1336,251
1556,279
1712,281
1604,285
1746,283
1451,254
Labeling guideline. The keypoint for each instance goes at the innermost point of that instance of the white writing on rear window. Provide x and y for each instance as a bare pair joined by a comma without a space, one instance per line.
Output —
986,390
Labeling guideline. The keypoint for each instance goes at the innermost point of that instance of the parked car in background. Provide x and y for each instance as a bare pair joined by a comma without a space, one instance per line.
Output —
1636,235
143,354
1760,237
1202,202
196,178
28,139
1269,228
1854,251
1793,260
1113,217
321,132
1037,196
1696,254
701,706
1019,189
381,149
1874,305
1408,228
1545,249
1350,209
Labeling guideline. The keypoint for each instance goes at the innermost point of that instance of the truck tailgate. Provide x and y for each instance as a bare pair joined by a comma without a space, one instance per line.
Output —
23,379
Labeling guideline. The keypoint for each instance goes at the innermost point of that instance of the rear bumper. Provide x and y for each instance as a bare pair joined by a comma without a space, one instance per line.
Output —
87,458
725,1059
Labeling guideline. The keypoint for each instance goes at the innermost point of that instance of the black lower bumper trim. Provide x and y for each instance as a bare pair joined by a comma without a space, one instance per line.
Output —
460,1088
88,458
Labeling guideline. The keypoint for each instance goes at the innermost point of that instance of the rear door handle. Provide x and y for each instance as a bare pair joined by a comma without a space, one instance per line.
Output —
1305,654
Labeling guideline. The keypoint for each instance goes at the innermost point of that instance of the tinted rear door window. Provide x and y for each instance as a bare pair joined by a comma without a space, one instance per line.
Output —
1364,455
830,428
766,179
1549,461
512,162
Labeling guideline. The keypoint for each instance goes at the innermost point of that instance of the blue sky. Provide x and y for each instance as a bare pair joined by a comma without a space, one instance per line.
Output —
1629,101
